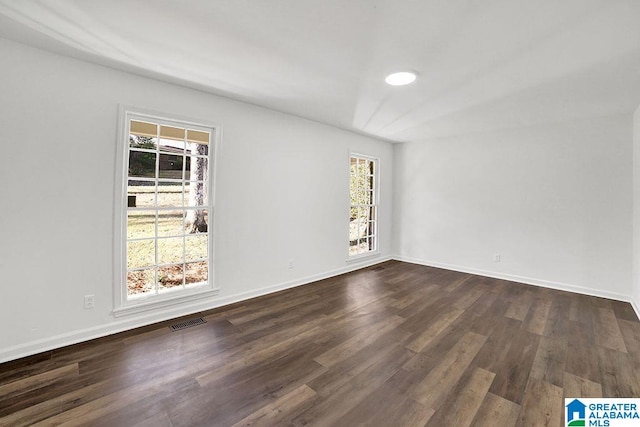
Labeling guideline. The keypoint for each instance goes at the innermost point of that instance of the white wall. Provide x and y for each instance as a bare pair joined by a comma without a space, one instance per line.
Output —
282,192
636,211
555,201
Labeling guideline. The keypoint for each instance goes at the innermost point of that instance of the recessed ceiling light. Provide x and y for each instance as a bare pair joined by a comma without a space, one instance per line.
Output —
400,79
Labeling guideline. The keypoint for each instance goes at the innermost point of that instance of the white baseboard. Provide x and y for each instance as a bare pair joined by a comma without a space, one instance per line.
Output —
635,303
74,337
522,279
144,319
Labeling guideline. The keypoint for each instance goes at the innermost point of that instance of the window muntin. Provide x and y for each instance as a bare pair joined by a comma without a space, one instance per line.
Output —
363,215
167,232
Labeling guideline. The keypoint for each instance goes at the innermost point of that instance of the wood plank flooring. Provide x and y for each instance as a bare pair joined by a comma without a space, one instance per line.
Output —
396,344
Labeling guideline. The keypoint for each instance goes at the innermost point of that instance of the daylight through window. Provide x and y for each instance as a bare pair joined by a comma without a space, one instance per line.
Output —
363,215
168,207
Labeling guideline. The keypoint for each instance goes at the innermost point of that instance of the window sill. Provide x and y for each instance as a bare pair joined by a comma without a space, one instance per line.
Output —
157,303
363,257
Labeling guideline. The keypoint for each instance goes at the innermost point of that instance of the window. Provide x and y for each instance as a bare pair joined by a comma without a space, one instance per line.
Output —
165,219
363,217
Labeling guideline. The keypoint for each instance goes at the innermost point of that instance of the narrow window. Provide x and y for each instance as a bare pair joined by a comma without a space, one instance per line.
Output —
167,209
363,217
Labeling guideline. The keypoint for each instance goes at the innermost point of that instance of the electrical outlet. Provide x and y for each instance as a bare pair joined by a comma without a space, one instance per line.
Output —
496,258
291,263
89,301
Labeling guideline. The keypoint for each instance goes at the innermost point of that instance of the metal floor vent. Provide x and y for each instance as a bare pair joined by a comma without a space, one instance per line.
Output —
187,324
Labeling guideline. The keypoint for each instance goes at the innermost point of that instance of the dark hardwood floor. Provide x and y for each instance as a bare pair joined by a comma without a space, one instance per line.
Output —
392,345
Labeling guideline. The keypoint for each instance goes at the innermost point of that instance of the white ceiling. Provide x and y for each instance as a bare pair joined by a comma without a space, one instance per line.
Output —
482,64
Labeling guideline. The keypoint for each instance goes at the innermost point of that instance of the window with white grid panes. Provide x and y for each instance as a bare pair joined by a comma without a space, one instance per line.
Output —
363,215
168,207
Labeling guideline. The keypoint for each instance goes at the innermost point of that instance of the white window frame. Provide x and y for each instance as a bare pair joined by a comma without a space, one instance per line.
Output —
122,304
376,191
